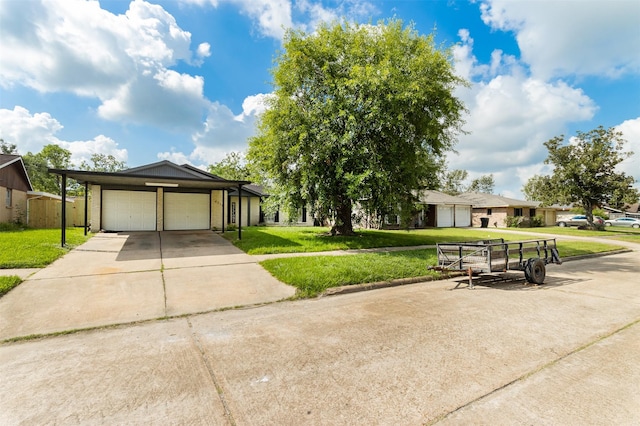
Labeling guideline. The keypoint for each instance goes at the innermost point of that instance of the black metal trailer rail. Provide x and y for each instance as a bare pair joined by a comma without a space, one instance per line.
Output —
496,255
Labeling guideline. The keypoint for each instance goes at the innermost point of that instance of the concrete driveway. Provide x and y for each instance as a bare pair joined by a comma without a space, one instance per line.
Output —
567,352
127,277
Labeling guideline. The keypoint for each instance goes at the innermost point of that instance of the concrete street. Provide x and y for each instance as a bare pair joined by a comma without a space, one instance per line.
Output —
566,352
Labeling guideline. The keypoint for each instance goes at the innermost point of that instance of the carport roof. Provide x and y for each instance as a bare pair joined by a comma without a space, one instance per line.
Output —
160,174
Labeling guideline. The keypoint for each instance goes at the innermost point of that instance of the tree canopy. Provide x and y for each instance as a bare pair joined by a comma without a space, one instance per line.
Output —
7,148
103,163
452,183
37,165
585,172
484,184
360,114
233,167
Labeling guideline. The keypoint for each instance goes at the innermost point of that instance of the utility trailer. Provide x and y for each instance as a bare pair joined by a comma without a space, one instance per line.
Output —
496,255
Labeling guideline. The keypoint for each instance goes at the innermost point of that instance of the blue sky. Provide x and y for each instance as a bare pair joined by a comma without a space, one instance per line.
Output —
184,80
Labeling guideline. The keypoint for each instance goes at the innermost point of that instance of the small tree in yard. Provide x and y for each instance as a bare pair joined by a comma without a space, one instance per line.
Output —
584,171
360,114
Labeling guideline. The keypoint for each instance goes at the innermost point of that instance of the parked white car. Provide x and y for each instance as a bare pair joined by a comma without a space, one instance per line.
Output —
623,221
579,220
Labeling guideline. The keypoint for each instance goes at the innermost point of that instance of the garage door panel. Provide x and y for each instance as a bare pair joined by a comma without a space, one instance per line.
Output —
463,216
445,216
185,211
128,210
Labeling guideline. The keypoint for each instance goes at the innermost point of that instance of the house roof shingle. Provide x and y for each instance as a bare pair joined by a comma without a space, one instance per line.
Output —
154,174
428,196
481,200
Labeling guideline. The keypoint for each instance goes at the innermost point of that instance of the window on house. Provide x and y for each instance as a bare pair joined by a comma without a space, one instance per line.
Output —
304,214
9,198
233,212
276,217
489,212
517,212
532,212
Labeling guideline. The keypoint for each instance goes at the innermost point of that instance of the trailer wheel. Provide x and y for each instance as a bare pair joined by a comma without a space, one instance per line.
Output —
535,271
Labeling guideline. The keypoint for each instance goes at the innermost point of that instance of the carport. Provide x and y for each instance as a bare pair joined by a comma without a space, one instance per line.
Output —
155,197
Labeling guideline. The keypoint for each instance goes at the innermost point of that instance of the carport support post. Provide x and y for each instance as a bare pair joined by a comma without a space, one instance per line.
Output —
63,221
86,207
240,211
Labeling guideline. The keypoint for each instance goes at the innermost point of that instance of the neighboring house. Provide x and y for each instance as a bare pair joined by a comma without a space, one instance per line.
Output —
281,218
632,210
438,210
496,208
14,185
628,210
252,196
161,196
444,210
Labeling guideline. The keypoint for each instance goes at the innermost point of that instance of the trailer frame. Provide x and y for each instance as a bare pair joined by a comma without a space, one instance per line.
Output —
496,255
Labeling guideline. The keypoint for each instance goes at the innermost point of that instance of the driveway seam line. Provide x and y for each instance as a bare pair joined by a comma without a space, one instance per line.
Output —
536,371
212,375
164,284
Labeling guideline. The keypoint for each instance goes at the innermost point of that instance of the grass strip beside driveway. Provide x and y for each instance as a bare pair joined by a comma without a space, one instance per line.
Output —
35,248
8,282
313,275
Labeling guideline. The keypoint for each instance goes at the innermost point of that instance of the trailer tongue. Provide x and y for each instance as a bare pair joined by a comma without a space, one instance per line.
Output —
496,255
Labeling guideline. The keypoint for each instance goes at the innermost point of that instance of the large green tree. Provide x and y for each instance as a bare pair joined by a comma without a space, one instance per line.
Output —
585,171
360,114
484,184
103,163
538,188
233,167
452,182
7,148
37,165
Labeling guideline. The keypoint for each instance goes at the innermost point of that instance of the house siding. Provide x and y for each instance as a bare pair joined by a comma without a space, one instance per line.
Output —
17,212
497,218
12,178
250,210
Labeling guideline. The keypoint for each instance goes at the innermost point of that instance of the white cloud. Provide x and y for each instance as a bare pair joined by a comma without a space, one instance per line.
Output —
31,132
204,50
273,17
510,115
28,132
77,47
630,130
558,38
222,132
83,150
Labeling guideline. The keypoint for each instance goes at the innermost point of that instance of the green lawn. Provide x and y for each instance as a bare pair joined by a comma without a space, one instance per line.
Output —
7,283
267,240
35,248
313,275
612,232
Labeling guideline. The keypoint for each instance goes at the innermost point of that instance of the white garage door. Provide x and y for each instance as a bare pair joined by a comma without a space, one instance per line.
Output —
463,216
186,211
445,216
128,210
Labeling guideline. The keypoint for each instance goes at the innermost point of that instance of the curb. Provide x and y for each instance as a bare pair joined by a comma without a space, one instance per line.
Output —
356,288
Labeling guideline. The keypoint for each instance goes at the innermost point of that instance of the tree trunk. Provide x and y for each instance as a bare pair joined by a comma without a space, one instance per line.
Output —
588,211
343,225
